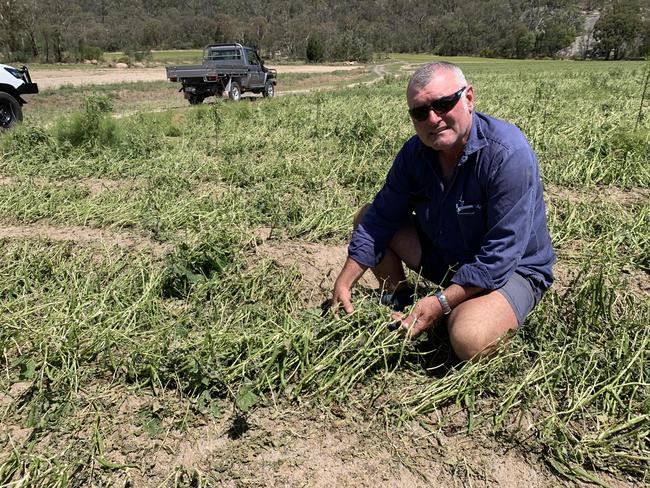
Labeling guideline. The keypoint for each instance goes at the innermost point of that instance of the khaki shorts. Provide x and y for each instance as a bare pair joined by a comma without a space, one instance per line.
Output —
522,294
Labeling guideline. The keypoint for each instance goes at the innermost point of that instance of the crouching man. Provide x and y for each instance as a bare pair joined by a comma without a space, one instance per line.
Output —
463,206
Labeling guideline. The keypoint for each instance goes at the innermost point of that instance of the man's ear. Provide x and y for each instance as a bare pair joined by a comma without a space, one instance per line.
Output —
469,96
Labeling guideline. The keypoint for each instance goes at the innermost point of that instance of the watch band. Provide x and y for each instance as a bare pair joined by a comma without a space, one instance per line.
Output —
444,304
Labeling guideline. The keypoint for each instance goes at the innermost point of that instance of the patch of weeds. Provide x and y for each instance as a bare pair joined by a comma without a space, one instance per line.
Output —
151,421
92,125
358,130
29,142
195,264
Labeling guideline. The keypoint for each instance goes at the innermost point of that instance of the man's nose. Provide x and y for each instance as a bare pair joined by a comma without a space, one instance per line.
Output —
433,117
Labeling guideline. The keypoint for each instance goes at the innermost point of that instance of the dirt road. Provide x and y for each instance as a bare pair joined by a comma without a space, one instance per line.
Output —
55,78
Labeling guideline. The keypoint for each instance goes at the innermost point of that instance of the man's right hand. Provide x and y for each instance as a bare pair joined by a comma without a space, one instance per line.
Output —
349,275
342,296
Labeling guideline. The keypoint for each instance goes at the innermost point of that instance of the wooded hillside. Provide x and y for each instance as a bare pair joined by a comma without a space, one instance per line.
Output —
68,30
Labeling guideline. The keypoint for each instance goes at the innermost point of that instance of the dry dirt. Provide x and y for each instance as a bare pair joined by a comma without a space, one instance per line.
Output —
609,194
95,186
55,78
318,264
86,236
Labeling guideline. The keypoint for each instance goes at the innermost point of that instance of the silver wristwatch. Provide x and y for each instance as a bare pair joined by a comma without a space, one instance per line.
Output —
444,304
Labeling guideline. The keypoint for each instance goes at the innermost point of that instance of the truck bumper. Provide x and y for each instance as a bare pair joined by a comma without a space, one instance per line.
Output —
27,88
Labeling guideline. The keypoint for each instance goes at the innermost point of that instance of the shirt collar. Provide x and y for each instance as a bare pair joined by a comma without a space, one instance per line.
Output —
475,141
476,138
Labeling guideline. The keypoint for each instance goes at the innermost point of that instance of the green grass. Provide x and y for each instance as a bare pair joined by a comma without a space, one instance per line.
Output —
214,324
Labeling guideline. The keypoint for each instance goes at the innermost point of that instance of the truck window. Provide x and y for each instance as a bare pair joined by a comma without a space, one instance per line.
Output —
224,54
253,58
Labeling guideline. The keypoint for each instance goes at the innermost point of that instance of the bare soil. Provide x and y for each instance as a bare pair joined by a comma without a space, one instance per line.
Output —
609,194
87,236
55,78
95,186
318,264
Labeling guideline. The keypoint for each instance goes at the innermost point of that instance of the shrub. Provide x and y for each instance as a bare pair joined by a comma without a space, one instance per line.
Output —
92,125
315,52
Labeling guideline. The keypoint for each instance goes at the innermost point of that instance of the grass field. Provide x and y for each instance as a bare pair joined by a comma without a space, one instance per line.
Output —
163,270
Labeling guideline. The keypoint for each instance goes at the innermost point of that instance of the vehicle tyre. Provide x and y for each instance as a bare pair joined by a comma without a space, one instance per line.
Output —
235,92
10,111
269,90
195,99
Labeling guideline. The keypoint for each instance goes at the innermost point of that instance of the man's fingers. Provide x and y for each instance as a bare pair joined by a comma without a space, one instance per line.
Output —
347,306
418,327
336,302
415,323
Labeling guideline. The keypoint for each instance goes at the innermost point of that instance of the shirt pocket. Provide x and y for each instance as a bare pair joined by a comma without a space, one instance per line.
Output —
471,222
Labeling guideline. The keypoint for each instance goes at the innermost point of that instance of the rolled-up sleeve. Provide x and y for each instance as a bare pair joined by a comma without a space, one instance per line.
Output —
512,190
387,213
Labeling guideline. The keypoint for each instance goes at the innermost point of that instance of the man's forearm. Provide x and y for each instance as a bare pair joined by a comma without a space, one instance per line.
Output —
350,274
457,294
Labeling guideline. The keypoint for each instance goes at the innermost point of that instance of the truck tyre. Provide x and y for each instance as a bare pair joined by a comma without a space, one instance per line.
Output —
235,92
195,99
269,90
10,111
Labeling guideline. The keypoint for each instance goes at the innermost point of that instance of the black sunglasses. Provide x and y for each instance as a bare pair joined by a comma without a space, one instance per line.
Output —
440,106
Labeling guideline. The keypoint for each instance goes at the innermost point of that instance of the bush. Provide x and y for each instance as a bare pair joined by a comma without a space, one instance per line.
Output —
315,50
85,51
28,141
138,56
351,47
90,126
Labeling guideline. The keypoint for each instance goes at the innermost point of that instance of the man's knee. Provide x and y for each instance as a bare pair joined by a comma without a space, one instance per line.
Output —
477,325
465,342
359,215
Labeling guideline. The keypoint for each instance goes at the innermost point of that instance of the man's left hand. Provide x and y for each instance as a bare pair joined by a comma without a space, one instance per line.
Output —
424,314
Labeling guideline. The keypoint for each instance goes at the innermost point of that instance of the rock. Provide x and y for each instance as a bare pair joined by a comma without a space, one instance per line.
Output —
138,65
87,61
121,65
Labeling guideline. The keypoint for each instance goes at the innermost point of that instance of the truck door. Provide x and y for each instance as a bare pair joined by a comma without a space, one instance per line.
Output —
255,73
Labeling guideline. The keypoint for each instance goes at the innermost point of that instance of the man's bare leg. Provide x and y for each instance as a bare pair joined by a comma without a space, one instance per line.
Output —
403,248
476,325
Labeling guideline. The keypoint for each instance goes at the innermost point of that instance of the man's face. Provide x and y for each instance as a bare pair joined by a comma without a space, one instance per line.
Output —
446,132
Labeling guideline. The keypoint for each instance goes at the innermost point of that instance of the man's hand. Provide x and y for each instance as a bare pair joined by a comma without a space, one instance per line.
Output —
342,295
425,314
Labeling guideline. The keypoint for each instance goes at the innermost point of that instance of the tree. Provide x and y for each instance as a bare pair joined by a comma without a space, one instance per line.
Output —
315,51
644,48
616,30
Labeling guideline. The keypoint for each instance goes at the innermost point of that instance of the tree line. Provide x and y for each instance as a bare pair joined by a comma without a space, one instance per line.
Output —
318,30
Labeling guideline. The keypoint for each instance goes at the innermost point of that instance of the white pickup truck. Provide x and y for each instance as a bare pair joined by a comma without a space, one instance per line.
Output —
14,83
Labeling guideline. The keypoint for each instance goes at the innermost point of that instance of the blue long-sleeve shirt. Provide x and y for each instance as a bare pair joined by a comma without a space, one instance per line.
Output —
489,221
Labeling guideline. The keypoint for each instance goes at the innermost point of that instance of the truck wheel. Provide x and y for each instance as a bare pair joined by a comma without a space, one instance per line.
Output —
235,91
269,90
195,100
10,111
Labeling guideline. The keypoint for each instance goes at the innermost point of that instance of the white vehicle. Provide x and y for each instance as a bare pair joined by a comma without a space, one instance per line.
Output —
13,84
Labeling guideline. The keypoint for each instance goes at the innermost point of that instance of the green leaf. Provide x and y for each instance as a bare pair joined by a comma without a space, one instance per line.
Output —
28,370
246,400
153,426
